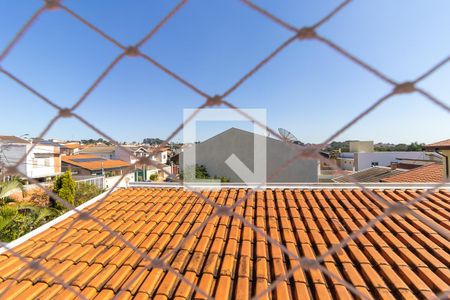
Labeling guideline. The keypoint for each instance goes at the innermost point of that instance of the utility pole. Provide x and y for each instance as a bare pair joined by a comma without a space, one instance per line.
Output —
2,170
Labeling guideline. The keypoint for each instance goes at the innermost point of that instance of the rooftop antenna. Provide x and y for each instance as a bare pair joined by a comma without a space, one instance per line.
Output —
287,136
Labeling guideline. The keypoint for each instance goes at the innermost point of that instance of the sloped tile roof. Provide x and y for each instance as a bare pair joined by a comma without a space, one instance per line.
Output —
429,173
94,165
400,257
98,149
445,144
12,139
373,174
71,145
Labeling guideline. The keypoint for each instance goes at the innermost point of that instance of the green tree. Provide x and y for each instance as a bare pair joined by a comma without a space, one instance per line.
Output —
415,146
64,187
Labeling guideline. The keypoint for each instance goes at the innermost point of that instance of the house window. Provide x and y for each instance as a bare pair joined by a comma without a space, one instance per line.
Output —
374,164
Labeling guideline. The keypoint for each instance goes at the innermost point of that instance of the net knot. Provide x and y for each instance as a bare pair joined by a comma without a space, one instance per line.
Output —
34,265
145,161
214,101
404,88
224,211
306,33
65,113
158,263
132,51
11,170
309,264
51,4
84,216
309,152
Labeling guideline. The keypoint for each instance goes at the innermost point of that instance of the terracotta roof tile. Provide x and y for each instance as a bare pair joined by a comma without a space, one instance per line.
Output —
80,160
445,144
399,257
428,173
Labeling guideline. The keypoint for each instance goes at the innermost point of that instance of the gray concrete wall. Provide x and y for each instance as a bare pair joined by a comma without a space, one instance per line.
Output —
213,153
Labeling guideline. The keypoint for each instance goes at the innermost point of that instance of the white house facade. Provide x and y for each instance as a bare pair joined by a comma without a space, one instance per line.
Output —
41,162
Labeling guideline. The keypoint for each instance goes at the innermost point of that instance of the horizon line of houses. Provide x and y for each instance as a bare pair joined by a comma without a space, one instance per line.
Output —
49,158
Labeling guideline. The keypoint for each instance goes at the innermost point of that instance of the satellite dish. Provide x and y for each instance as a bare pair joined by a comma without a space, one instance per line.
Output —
287,136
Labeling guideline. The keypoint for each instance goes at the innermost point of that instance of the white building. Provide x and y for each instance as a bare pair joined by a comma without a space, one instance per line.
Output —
43,162
363,160
131,154
159,166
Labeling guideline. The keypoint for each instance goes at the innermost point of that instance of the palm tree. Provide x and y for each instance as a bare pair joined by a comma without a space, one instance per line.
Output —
38,213
18,218
7,188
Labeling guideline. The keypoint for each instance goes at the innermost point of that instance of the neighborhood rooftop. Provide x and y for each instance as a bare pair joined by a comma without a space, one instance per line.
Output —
12,139
92,162
445,144
400,257
97,149
427,173
373,174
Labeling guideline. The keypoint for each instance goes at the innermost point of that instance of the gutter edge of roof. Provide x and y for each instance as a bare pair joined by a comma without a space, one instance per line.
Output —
371,185
46,226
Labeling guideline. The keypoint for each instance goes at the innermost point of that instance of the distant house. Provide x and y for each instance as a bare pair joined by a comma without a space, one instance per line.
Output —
372,174
86,164
41,163
443,148
132,153
70,148
428,173
213,153
158,165
363,156
107,152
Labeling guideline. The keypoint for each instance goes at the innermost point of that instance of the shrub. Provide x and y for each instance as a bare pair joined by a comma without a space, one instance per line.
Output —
64,187
86,191
200,172
154,177
19,219
19,225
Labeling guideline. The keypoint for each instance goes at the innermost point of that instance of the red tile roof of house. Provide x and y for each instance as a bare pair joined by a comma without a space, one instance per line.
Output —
429,173
71,145
13,139
401,257
98,149
372,174
94,165
445,144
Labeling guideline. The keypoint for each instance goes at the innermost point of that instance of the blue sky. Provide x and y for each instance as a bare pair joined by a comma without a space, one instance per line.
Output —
308,88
